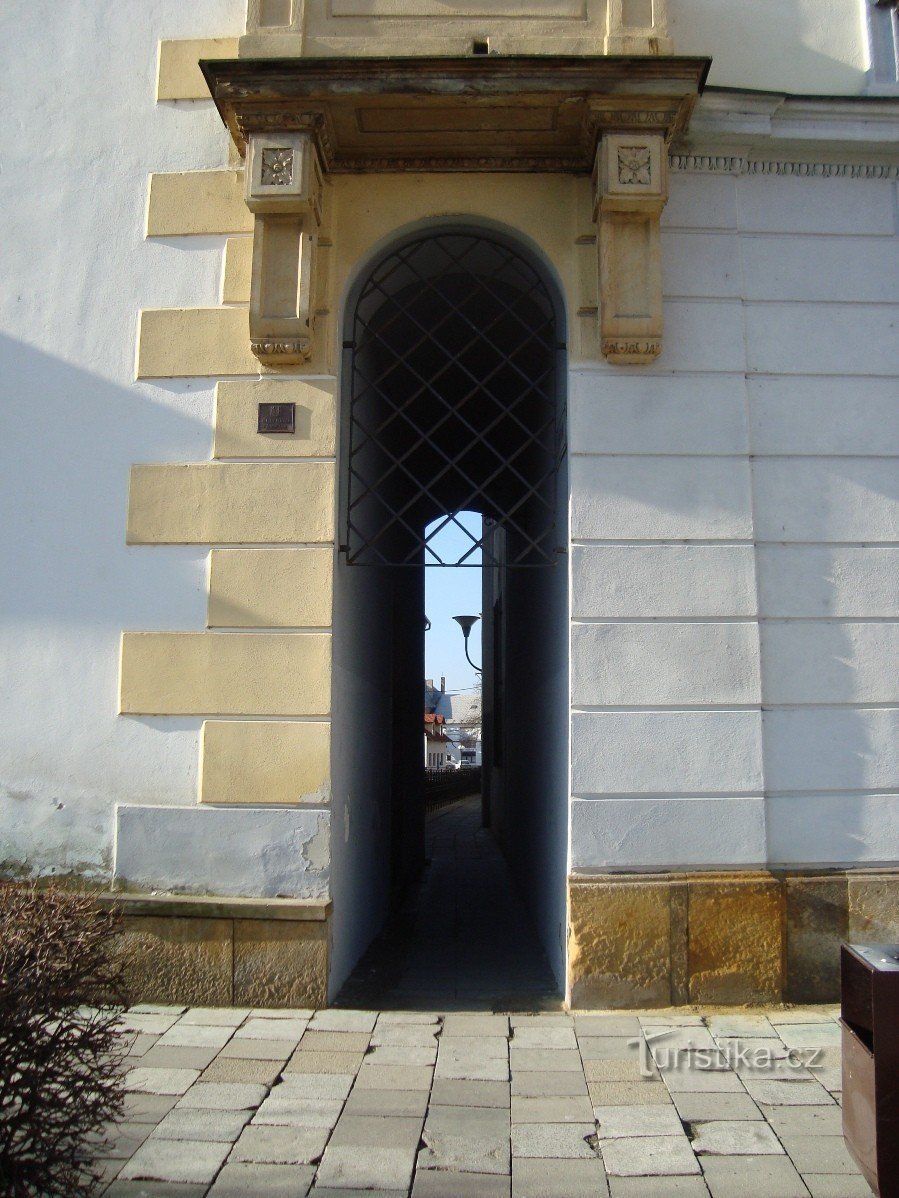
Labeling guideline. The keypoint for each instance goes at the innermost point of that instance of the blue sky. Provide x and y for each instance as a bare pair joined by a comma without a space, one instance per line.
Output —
453,591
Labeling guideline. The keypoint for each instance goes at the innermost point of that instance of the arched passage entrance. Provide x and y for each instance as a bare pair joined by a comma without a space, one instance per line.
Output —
453,389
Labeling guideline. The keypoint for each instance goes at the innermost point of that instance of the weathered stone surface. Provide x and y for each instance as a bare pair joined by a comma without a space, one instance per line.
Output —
326,1062
653,1120
649,1156
313,1041
280,963
535,1178
575,1109
160,1081
234,1070
752,1177
223,1096
553,1140
175,1160
619,942
280,1145
275,1181
874,908
335,1020
817,920
181,960
471,1141
187,1124
736,1138
735,940
449,1091
387,1103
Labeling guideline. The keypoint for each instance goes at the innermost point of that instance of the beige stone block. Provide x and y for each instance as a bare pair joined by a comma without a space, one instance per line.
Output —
735,946
270,588
237,271
362,217
236,419
192,202
280,964
874,908
180,77
817,920
619,944
177,960
212,673
189,342
262,762
199,342
203,503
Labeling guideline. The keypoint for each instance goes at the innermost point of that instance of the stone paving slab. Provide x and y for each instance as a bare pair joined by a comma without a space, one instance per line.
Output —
736,1138
224,1016
263,1181
614,1122
554,1140
658,1187
162,1056
257,1050
280,1145
753,1177
236,1069
552,1110
187,1124
469,1141
534,1178
257,1028
154,1189
346,1102
434,1184
175,1160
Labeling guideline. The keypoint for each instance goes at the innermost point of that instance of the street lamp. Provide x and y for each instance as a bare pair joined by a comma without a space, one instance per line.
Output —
466,623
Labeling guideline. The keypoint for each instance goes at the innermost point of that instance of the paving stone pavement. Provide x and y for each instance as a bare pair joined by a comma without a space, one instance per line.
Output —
453,1104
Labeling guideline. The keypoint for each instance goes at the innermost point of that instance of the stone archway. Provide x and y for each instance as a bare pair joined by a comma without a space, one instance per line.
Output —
453,399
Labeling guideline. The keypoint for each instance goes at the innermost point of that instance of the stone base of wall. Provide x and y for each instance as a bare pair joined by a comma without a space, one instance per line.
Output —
203,951
643,940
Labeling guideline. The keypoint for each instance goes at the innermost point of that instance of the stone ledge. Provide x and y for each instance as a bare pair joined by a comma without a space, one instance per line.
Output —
730,938
193,906
223,952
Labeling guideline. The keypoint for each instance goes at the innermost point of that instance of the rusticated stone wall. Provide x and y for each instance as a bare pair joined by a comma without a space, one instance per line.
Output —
726,938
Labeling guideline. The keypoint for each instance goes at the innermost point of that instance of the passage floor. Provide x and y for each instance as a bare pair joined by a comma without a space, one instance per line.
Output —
462,936
451,1104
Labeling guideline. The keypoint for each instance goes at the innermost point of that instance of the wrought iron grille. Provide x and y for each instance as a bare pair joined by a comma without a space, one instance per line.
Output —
455,404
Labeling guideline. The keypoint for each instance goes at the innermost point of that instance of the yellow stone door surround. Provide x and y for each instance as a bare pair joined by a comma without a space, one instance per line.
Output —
301,223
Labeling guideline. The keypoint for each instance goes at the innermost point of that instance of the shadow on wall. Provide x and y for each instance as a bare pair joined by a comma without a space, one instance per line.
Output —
70,585
69,438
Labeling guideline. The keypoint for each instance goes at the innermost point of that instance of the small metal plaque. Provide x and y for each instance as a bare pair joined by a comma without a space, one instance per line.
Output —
277,418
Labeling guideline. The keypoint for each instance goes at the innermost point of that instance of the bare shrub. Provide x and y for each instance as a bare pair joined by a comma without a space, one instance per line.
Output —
60,1055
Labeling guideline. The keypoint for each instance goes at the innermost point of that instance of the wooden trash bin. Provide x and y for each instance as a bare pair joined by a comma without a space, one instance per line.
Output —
870,1023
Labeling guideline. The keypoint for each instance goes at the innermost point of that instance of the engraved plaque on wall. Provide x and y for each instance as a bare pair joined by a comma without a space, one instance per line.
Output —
277,418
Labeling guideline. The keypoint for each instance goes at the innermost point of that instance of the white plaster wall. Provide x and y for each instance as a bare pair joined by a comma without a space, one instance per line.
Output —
808,47
82,132
735,518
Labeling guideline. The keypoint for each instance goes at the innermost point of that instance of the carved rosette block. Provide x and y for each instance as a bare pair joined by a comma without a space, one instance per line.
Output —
630,191
284,191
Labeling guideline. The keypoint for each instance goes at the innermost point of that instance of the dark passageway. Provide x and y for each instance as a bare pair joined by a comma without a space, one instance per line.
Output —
462,937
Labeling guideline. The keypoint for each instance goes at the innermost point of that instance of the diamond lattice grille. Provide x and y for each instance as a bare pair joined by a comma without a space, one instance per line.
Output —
454,405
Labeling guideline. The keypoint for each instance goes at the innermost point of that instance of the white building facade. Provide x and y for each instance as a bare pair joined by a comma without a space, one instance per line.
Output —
190,653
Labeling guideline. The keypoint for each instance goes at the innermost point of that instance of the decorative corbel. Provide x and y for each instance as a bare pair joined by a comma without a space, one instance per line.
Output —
284,191
630,190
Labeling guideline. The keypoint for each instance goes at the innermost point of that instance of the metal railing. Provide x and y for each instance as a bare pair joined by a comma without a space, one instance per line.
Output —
445,786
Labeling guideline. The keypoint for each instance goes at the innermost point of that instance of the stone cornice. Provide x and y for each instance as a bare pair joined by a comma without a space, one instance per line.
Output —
516,113
761,133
